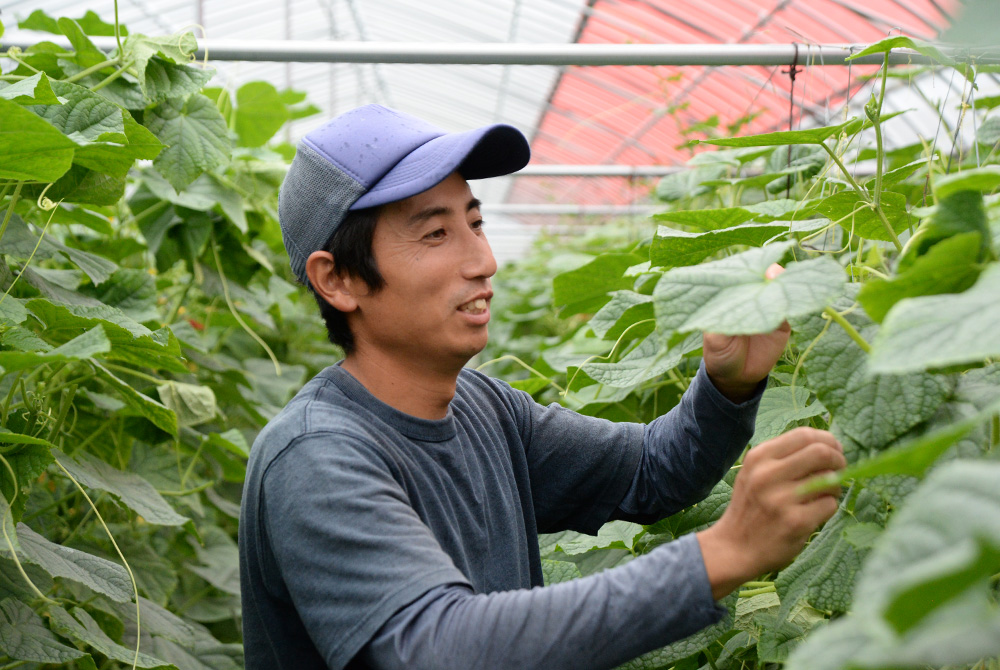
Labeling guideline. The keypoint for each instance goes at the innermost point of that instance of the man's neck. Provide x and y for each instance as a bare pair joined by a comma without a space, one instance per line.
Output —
404,384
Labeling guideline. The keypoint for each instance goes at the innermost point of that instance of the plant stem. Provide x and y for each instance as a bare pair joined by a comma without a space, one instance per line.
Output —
118,32
135,587
236,315
134,373
863,193
848,328
92,69
111,77
756,592
877,121
757,585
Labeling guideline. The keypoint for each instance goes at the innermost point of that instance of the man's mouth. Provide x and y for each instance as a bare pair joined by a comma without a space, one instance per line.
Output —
477,306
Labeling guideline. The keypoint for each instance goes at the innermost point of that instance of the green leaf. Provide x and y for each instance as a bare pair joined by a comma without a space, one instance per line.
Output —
943,543
31,149
698,516
21,242
989,132
650,359
142,404
28,462
586,288
82,347
12,584
93,572
40,21
688,183
196,136
165,80
131,342
34,90
92,24
786,137
872,410
205,193
218,561
191,403
232,440
733,297
949,267
131,291
87,55
109,140
855,215
260,113
935,331
708,219
554,572
131,489
622,303
177,49
612,535
673,248
25,637
781,406
12,312
81,626
957,213
983,179
7,530
825,572
902,42
669,655
916,456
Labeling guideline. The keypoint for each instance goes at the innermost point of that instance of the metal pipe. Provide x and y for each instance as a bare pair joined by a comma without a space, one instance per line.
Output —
474,53
542,170
527,209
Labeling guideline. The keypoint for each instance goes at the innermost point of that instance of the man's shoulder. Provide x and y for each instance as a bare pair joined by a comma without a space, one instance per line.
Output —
320,407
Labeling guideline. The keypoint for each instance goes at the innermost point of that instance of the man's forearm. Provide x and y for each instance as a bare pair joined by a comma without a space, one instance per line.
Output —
688,450
596,622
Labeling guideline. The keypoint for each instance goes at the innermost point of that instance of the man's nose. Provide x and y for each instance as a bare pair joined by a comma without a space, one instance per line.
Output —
479,260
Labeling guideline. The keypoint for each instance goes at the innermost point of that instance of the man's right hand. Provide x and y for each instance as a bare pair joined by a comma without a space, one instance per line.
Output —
767,523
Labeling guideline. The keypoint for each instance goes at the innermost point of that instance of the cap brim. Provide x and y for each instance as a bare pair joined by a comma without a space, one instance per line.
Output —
490,151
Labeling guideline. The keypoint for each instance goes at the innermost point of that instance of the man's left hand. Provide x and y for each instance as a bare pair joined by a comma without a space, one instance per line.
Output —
737,363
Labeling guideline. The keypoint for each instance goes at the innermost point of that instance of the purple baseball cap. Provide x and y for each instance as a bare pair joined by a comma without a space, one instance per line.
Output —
374,155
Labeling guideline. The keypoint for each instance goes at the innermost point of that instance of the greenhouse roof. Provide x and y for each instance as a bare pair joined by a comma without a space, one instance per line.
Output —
639,115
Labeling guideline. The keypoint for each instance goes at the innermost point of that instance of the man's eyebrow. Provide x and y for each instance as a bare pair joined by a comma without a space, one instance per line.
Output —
431,212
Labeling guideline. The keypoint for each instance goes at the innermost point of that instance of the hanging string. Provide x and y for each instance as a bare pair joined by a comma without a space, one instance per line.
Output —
791,72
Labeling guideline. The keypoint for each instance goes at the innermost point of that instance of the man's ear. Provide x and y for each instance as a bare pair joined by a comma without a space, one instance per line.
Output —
336,288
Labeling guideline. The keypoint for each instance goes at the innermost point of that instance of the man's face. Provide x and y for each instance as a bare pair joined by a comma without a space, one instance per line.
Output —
436,262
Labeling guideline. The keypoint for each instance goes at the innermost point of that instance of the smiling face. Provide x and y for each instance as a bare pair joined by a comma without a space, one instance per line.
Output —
434,307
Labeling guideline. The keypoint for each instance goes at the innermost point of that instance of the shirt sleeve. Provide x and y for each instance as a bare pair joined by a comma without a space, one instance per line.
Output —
599,621
349,548
688,450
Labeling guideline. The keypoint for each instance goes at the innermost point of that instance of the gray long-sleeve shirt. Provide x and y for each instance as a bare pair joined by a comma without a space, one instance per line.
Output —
413,542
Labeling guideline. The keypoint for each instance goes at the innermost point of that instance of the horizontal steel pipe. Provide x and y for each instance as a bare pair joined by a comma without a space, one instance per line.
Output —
476,53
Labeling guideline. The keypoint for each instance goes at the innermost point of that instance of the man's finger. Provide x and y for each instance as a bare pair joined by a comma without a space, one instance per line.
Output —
773,271
812,459
794,440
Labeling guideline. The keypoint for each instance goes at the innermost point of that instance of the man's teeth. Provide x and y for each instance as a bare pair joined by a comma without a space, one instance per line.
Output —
478,305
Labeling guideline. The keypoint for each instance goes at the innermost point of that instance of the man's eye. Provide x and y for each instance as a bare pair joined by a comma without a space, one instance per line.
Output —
478,225
435,235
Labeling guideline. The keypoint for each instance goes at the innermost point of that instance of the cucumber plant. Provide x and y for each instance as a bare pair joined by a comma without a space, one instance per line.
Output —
892,288
148,329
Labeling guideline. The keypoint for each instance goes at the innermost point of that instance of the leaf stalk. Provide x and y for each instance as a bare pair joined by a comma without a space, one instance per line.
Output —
837,317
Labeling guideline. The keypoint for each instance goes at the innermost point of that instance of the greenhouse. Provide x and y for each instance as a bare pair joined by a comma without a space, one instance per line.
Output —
639,334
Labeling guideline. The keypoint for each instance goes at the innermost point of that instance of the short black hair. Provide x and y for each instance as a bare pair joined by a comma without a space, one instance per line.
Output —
351,247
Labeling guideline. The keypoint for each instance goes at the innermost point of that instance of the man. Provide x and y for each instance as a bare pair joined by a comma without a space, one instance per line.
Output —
391,510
